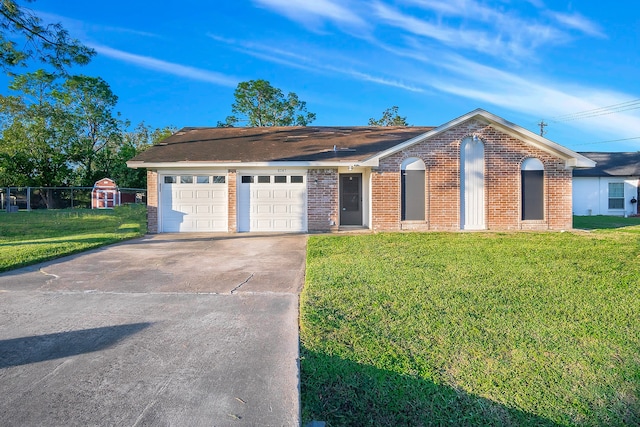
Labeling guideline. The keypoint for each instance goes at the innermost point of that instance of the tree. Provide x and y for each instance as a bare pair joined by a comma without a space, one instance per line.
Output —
112,161
88,103
33,148
23,36
257,103
389,117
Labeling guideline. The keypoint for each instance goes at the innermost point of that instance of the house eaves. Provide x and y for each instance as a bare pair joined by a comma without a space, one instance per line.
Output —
237,164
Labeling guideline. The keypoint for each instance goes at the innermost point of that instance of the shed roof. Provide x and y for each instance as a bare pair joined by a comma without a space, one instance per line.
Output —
611,164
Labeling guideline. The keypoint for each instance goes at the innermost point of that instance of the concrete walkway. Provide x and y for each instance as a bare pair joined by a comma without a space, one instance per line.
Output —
168,330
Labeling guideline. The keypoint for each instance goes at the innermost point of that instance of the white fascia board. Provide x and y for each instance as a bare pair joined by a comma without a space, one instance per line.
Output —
236,165
572,159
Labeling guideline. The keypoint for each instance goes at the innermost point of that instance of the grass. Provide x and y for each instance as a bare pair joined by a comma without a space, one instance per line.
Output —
603,222
476,329
30,237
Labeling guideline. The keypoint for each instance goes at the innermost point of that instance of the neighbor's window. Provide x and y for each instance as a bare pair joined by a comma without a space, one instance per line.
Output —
616,195
186,179
264,179
280,179
201,179
296,179
219,179
169,179
247,179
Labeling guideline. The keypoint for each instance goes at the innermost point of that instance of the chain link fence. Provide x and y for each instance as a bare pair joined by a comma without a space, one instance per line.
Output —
13,199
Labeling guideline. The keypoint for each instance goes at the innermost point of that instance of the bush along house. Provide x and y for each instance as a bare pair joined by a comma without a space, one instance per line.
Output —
476,172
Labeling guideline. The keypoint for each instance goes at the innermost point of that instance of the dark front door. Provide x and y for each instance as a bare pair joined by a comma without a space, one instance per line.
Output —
532,195
351,199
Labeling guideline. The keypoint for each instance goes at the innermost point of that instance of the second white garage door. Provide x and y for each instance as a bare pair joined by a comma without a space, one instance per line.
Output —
272,202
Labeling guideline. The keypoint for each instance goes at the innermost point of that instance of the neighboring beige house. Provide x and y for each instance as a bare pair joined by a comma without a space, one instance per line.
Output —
610,188
476,172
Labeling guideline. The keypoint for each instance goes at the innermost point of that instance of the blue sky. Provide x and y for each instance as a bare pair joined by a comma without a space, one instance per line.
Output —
178,63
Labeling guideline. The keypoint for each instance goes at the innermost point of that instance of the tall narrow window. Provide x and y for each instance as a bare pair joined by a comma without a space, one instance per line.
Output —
616,195
532,183
412,189
472,184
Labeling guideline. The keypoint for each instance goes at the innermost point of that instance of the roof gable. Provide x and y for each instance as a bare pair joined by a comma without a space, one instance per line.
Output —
571,158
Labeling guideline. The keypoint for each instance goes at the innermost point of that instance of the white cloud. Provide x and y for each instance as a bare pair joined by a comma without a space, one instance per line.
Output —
481,29
167,67
312,63
311,11
534,95
78,27
578,22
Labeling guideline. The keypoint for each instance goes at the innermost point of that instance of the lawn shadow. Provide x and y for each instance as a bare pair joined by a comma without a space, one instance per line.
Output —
344,393
38,348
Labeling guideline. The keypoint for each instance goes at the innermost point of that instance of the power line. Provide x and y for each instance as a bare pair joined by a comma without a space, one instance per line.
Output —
615,108
612,140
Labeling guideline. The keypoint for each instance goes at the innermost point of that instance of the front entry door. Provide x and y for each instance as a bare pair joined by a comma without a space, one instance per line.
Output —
351,199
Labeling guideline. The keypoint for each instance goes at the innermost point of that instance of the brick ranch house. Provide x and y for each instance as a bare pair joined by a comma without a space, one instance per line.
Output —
476,172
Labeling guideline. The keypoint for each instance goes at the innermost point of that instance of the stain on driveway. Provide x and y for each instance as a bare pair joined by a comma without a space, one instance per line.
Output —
165,330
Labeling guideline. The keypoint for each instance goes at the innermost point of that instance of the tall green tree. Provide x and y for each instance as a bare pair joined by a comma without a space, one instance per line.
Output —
257,103
91,123
32,148
23,36
390,117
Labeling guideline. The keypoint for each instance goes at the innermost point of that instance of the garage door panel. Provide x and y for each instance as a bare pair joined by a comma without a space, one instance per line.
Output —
281,209
263,194
281,194
263,209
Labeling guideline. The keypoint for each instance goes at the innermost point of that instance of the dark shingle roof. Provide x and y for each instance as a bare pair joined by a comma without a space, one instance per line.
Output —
268,144
611,164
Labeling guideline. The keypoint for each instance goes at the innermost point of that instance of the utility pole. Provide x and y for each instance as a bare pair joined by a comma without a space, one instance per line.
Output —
542,125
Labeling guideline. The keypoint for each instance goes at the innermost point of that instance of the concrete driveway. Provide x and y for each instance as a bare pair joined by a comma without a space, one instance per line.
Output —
180,330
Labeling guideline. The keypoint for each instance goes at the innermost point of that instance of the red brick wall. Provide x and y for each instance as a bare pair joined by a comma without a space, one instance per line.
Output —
232,200
322,199
504,155
152,201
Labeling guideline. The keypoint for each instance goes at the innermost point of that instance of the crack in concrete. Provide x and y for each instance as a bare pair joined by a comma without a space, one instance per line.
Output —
49,274
238,287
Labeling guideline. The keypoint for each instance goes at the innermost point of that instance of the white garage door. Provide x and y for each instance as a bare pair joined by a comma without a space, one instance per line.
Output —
193,203
272,202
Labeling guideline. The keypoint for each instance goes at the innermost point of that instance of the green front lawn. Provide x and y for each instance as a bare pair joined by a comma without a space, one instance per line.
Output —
513,329
604,222
30,237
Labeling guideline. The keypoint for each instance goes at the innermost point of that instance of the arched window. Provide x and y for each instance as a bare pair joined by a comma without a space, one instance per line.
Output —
532,173
412,189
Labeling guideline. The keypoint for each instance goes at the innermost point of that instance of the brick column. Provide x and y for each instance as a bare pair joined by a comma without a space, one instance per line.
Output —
322,200
231,198
152,201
